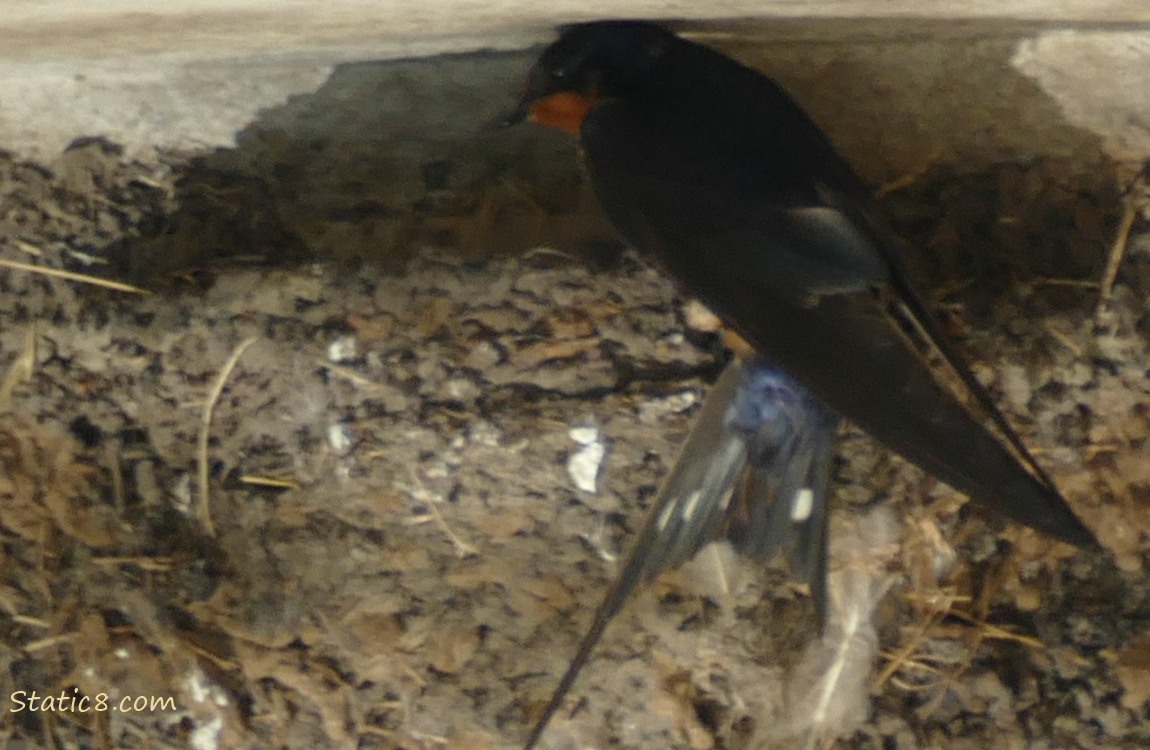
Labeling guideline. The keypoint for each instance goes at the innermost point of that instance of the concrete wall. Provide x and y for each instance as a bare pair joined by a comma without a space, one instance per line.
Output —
331,120
191,74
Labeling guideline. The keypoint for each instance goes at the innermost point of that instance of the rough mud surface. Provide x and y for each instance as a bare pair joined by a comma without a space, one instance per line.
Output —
394,553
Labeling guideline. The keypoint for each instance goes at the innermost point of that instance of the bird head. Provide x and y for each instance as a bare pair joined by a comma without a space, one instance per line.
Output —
588,63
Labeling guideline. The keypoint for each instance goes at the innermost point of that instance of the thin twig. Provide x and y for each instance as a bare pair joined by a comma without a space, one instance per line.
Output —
348,374
27,247
418,491
1074,283
60,273
1064,339
204,511
1117,253
907,179
273,482
906,652
155,564
116,467
49,642
990,631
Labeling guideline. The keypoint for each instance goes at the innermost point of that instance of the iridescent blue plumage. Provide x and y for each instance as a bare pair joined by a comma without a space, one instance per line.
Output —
789,437
755,470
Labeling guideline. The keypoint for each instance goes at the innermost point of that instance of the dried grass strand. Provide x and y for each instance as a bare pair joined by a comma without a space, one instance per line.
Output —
204,510
83,278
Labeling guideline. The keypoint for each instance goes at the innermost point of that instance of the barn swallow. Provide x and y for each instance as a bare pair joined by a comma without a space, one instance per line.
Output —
713,169
755,470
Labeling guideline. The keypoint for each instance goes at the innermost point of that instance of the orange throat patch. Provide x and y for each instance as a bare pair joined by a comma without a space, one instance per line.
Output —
564,110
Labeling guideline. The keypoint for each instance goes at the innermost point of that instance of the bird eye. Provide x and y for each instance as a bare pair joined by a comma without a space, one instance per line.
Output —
558,73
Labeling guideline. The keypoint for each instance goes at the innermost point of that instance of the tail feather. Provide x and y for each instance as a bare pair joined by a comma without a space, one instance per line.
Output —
755,469
791,440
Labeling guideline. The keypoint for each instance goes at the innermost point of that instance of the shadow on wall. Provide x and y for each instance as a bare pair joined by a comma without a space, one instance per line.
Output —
384,158
388,157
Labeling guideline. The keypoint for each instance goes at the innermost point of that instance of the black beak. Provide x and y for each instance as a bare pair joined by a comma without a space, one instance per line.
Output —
517,115
514,117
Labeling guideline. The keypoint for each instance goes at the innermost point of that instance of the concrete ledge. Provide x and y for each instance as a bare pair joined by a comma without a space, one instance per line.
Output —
368,160
189,77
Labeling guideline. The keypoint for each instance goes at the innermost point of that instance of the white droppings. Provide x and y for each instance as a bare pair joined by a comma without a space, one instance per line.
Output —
439,469
584,435
85,259
197,686
461,389
484,433
339,438
803,505
206,736
204,690
342,349
182,493
652,411
585,463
